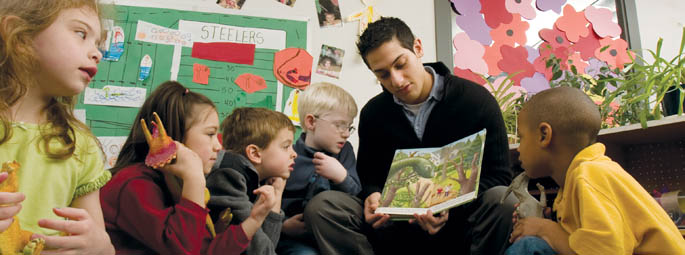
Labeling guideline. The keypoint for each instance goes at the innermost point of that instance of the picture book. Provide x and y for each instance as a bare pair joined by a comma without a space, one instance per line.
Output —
434,179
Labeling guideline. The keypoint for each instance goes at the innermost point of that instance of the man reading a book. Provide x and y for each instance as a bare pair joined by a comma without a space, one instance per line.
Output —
422,105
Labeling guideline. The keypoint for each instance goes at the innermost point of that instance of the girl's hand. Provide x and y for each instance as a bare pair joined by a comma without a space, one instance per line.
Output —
11,206
188,165
83,235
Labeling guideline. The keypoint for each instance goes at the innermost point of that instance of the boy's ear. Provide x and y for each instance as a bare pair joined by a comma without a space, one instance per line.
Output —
254,154
308,122
545,134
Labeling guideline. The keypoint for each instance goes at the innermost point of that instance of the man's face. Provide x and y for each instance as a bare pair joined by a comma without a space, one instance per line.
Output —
400,70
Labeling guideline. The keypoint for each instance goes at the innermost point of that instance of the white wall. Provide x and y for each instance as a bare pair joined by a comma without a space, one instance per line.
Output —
355,77
660,19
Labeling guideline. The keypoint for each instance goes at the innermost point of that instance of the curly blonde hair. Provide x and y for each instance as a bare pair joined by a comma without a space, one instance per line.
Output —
20,22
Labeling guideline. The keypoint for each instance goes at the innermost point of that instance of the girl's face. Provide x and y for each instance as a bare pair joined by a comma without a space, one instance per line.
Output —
201,136
68,53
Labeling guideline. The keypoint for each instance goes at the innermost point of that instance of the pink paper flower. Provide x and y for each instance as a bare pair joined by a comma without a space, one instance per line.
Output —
469,54
601,21
514,60
616,55
573,23
511,33
492,56
522,7
546,5
587,45
554,37
471,21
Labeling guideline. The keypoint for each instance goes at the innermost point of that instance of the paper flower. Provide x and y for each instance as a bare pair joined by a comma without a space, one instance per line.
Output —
467,74
511,33
514,60
578,62
535,84
587,45
492,56
593,70
616,55
471,21
601,21
162,147
546,5
469,54
495,12
540,63
522,7
555,37
573,23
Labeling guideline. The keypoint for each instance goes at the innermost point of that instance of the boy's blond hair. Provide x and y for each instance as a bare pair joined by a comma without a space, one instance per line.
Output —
249,125
323,97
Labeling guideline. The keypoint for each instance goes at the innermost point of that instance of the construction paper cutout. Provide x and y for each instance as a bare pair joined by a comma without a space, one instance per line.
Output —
152,33
239,53
593,70
512,33
116,47
471,21
546,5
554,37
587,45
532,54
616,55
578,62
517,90
540,66
573,23
469,54
515,60
145,66
467,74
492,56
250,82
290,108
201,73
293,67
364,16
545,51
601,22
535,84
495,12
522,7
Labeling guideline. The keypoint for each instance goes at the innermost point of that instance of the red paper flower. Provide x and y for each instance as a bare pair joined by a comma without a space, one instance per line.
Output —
587,45
616,55
523,7
573,23
495,12
515,60
511,33
555,37
467,74
540,63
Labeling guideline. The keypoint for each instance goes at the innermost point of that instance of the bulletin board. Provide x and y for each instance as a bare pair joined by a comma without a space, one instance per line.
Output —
110,100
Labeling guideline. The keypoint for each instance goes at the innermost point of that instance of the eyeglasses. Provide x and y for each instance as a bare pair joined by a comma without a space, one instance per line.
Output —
340,125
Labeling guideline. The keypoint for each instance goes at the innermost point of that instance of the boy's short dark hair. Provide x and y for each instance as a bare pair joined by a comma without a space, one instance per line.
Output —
569,111
382,31
250,125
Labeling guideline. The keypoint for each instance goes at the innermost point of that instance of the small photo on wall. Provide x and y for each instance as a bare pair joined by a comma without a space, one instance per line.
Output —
329,13
330,61
231,4
290,3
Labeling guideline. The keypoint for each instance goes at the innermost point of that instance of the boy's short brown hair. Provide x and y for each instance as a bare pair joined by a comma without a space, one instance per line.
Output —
250,125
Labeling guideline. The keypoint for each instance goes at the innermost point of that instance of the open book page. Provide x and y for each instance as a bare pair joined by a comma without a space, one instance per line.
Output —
434,179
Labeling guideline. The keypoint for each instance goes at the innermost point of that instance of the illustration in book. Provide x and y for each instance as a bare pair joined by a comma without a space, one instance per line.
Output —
434,179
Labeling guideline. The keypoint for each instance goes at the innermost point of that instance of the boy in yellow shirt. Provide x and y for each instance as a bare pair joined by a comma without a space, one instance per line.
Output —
600,208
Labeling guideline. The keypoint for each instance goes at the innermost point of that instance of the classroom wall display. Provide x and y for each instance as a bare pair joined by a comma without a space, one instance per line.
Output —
206,50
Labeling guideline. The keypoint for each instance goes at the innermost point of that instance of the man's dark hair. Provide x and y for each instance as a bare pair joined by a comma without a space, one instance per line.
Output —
382,31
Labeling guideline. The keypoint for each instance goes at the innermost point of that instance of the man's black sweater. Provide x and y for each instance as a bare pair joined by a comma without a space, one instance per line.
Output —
465,108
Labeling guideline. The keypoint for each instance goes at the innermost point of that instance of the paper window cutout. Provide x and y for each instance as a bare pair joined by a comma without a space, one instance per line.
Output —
511,33
535,84
522,7
587,45
469,54
546,5
492,56
573,23
471,20
495,12
616,55
601,22
554,37
515,60
467,74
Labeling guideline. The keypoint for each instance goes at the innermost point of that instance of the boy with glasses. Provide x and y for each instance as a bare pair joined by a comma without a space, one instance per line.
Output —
325,162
